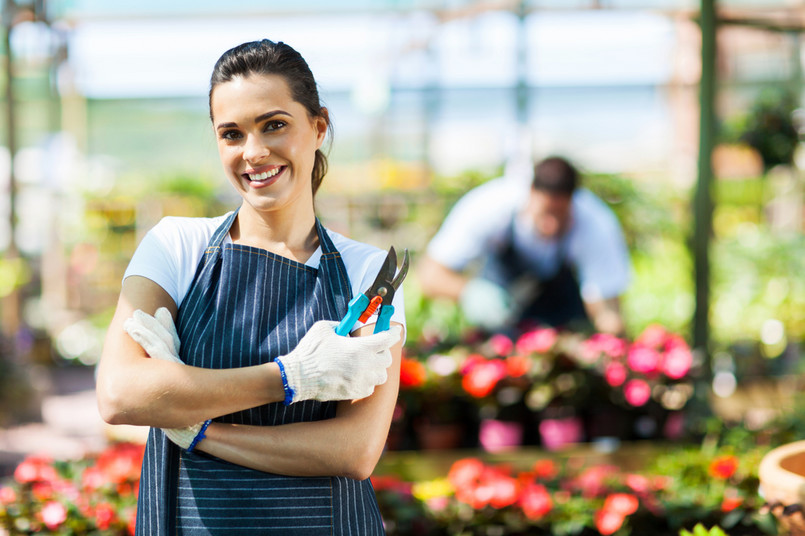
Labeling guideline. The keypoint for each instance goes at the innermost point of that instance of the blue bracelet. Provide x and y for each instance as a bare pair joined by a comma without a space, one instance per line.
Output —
288,389
199,436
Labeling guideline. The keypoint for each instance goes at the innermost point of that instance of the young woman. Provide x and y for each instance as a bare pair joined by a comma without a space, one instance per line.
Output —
255,295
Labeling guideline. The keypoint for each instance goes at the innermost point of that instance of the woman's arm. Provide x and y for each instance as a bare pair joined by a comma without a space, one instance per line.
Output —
133,389
348,445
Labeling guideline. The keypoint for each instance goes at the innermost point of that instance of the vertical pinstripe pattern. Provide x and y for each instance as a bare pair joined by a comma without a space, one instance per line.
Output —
247,306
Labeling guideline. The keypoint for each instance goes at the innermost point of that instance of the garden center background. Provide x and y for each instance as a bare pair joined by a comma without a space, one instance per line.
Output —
684,115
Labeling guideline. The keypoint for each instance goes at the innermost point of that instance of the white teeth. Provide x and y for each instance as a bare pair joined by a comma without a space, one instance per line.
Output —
263,176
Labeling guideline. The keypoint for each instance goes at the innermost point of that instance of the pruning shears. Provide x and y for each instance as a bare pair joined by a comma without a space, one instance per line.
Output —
378,296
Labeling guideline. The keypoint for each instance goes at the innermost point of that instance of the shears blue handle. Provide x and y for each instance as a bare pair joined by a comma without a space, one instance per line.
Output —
384,318
357,306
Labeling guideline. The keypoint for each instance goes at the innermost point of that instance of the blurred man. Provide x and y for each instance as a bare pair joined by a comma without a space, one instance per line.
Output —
550,254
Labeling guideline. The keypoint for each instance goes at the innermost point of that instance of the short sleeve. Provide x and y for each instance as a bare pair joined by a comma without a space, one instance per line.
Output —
602,257
475,222
154,259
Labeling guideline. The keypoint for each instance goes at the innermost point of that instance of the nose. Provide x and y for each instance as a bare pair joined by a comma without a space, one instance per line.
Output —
254,150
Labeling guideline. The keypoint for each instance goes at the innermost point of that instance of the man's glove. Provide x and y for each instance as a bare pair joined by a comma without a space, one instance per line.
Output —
327,366
158,337
486,304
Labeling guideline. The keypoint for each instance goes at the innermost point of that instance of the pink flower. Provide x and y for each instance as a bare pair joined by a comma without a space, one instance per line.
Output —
638,483
7,495
501,345
643,359
637,392
559,433
677,362
537,341
53,514
615,374
609,344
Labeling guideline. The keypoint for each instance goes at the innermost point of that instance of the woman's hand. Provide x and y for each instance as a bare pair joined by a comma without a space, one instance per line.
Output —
133,389
327,366
350,444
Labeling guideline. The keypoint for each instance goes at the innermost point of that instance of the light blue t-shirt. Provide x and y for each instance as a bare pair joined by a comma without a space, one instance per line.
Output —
594,245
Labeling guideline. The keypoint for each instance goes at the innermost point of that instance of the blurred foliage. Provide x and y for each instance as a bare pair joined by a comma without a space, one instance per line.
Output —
768,126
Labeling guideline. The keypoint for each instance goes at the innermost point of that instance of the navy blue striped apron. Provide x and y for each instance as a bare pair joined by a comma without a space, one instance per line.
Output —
247,306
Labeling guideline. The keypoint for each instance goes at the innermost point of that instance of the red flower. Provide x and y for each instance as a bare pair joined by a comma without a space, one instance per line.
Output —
122,462
538,341
412,373
608,521
535,501
464,472
517,365
35,469
637,392
504,489
105,515
730,503
724,467
53,514
623,503
545,469
92,478
481,379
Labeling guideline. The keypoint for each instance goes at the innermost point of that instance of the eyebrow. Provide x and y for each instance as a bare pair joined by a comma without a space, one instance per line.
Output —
258,119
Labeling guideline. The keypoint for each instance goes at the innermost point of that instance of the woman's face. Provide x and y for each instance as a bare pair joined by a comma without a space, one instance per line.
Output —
267,141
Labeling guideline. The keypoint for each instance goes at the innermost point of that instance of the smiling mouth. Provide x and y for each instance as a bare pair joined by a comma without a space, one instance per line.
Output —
258,177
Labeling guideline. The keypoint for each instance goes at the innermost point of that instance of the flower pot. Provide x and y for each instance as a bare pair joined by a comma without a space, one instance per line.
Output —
438,436
499,436
782,483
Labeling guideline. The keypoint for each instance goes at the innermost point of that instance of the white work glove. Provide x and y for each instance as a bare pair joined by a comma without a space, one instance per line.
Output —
158,337
486,304
327,366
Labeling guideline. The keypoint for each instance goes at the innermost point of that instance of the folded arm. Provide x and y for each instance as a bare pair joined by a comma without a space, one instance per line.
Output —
350,444
133,389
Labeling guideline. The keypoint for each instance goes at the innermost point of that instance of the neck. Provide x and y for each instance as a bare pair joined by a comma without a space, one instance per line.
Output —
290,235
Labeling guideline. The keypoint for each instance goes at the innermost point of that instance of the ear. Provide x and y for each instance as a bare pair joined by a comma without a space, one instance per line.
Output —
321,122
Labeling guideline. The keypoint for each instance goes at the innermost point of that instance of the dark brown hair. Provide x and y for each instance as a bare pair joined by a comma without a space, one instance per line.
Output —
268,57
555,175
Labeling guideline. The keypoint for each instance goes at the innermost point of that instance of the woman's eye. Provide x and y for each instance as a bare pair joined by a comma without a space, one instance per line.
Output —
273,125
230,135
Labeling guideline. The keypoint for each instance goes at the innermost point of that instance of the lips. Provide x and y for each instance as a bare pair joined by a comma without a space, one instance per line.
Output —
264,178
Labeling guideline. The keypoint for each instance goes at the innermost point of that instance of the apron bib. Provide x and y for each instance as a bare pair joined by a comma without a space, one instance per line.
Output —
248,306
555,301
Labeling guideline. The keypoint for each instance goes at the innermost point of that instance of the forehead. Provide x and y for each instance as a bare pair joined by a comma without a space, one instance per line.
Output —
255,93
550,199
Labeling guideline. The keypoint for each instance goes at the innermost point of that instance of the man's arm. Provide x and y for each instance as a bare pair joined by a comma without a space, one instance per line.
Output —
606,315
439,281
